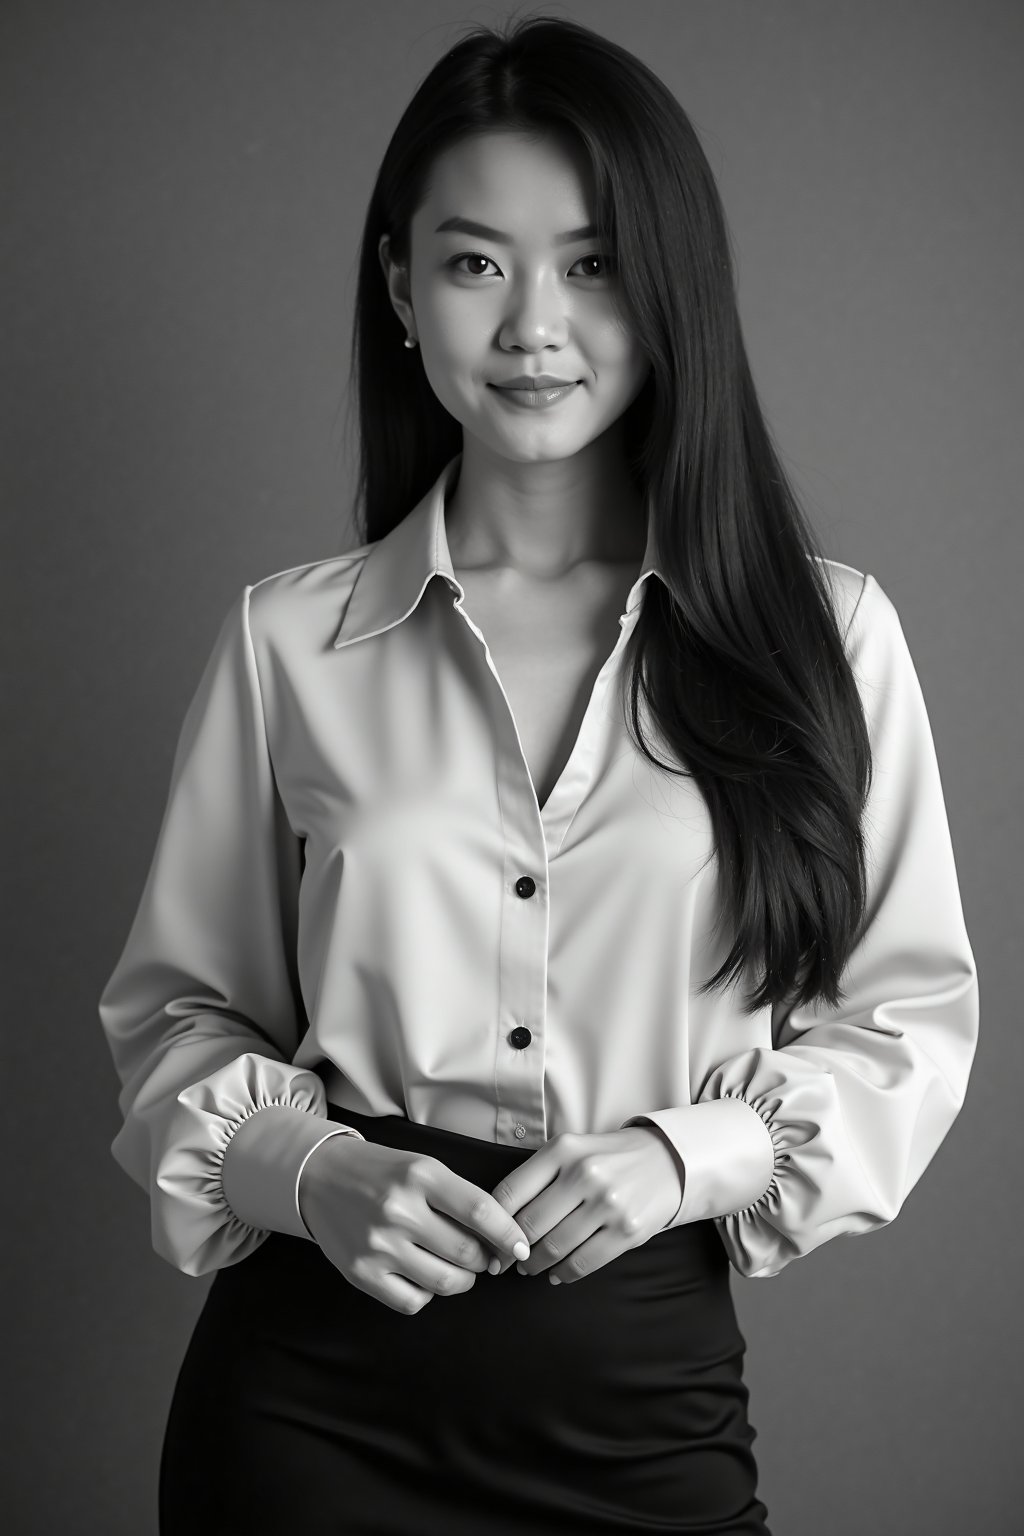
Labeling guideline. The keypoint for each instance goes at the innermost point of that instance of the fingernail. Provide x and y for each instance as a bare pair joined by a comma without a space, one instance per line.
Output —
493,1266
554,1280
521,1250
521,1270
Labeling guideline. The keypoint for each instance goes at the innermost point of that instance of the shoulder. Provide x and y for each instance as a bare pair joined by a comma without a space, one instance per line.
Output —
874,640
307,601
846,588
861,605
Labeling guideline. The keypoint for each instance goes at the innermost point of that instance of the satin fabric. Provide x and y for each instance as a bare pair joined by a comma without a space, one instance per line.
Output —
355,895
608,1406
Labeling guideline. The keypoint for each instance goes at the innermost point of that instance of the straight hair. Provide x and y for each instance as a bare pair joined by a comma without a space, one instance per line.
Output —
738,657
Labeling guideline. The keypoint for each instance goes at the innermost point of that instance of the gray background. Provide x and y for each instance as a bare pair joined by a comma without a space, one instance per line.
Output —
185,187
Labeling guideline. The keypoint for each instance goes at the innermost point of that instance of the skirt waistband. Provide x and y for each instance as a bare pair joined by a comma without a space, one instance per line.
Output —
452,1147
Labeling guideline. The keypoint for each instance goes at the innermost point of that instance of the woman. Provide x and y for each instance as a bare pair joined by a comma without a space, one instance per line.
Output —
478,930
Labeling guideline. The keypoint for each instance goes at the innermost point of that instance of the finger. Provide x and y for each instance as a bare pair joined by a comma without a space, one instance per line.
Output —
473,1208
564,1238
589,1256
570,1195
431,1273
450,1240
534,1175
519,1191
394,1291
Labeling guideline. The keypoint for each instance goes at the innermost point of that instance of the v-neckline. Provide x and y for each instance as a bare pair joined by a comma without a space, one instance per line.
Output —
566,793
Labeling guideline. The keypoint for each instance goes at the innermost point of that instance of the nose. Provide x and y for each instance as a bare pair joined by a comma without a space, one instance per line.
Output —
535,317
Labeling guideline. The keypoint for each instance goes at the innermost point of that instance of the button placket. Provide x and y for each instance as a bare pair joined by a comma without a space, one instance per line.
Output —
519,1066
522,981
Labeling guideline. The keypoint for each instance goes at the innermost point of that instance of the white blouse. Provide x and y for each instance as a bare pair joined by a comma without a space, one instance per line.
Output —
356,897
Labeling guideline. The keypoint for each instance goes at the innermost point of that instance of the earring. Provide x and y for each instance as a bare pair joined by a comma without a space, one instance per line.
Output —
410,341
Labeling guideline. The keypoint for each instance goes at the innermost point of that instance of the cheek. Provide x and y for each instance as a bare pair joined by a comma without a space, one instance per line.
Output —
450,354
455,322
623,367
616,349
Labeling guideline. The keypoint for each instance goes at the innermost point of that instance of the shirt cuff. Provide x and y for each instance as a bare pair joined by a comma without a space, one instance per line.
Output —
727,1153
263,1162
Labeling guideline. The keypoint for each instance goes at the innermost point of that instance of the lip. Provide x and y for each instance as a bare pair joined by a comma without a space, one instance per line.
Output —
521,398
536,381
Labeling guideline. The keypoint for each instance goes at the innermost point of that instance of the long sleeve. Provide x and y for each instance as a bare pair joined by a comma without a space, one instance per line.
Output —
828,1131
203,1013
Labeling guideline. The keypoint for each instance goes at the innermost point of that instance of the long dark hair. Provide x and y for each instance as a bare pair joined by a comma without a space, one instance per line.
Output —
739,660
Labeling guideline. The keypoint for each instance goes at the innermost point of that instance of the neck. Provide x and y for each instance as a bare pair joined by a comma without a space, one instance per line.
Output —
542,519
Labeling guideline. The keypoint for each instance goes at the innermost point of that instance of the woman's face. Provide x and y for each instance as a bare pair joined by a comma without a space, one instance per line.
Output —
522,299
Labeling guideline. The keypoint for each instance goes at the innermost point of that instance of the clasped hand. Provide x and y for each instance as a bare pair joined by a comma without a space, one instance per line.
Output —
582,1199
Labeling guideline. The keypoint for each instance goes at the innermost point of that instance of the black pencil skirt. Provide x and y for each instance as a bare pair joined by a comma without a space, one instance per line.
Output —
613,1404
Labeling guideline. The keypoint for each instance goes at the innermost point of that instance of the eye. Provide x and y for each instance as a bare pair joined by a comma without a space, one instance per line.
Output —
469,256
607,261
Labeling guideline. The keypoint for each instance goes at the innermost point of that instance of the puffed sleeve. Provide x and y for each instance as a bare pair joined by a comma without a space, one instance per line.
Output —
828,1131
202,1013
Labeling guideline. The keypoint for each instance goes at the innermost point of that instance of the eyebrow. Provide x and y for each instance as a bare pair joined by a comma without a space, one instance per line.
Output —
485,232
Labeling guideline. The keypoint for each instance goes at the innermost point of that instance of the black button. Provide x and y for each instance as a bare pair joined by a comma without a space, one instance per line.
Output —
520,1037
525,886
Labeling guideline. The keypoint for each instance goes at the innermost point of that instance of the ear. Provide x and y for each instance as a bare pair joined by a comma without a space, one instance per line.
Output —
397,279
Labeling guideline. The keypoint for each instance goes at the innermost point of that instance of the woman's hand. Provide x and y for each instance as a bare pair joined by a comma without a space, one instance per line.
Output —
400,1225
583,1199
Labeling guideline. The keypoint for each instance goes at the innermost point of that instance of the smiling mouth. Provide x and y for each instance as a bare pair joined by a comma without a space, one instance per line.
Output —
535,399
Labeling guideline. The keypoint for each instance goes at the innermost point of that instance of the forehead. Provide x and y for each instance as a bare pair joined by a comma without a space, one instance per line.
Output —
509,179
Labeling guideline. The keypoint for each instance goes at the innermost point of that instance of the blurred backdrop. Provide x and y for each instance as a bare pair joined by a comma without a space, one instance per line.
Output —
184,186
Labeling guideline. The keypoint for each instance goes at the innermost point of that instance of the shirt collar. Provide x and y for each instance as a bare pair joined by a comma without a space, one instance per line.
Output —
398,567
